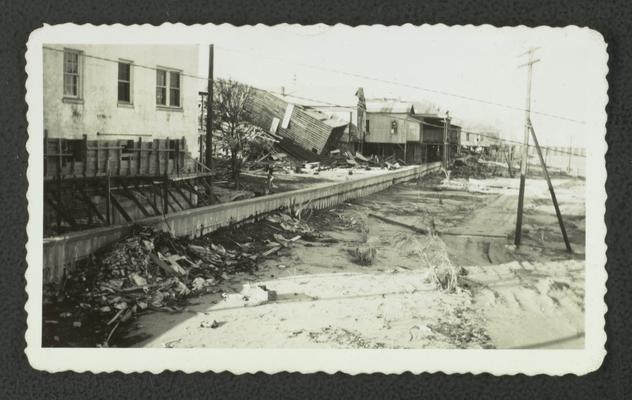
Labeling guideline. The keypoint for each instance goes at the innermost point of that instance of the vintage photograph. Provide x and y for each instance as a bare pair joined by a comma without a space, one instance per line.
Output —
317,188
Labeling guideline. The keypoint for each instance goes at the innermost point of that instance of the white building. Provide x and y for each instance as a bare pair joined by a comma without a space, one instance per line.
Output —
121,92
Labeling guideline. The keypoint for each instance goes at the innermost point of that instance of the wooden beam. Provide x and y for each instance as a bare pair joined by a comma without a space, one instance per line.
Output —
186,198
86,199
149,200
157,155
60,211
120,208
165,198
551,190
140,155
108,195
118,158
192,188
175,199
128,193
84,154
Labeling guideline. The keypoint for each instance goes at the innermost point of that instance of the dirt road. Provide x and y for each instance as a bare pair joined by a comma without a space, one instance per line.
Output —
506,297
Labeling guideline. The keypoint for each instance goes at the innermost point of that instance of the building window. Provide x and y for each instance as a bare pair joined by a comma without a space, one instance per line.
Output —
467,136
174,89
124,82
161,87
72,75
393,127
168,88
368,126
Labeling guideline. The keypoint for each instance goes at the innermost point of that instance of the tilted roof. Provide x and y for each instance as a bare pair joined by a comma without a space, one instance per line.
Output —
389,106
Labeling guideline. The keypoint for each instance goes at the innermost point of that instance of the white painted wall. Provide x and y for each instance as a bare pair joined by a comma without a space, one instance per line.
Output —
99,111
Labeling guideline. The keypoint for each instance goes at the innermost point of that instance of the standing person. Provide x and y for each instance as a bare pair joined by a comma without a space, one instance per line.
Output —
270,178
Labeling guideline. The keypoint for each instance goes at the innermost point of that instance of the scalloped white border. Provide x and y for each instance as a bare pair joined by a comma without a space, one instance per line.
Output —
530,362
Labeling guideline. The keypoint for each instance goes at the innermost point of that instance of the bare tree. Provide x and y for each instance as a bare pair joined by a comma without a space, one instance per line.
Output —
230,99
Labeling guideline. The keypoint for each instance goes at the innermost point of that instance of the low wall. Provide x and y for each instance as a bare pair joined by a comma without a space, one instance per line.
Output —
62,251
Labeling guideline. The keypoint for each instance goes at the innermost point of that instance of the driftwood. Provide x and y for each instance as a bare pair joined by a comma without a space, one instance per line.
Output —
428,231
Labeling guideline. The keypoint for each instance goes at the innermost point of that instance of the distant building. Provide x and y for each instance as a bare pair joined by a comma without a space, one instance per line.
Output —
393,127
473,140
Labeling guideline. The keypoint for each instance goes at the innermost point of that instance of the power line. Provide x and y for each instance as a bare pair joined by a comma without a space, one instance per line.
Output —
391,82
116,61
481,134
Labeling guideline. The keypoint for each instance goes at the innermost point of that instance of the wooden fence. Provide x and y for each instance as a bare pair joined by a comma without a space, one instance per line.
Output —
65,158
61,251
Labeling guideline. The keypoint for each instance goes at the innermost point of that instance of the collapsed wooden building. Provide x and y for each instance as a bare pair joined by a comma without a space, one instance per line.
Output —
306,133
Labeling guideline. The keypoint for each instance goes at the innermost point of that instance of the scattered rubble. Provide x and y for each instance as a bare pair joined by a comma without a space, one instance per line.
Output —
149,270
475,167
364,254
250,296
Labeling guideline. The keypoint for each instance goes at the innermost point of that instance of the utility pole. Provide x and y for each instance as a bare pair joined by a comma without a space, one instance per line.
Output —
361,117
446,127
525,145
558,213
209,111
350,124
202,125
570,154
209,122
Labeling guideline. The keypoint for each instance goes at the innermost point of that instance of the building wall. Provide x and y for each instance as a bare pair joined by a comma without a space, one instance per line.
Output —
99,111
432,135
380,128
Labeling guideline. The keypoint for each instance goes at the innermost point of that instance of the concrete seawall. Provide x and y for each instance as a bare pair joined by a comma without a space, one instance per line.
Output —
61,251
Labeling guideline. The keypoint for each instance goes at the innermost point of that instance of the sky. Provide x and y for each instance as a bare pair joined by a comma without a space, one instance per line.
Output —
481,63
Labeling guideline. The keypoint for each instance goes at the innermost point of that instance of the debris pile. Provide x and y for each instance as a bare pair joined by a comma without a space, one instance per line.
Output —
150,270
478,168
346,159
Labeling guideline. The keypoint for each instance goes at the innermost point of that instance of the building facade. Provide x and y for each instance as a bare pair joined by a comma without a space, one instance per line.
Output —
474,140
120,92
394,129
118,119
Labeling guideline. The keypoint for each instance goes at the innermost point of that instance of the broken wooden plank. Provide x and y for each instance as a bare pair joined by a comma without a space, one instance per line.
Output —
184,196
270,251
392,221
120,208
428,231
147,198
174,198
129,194
84,196
60,211
169,267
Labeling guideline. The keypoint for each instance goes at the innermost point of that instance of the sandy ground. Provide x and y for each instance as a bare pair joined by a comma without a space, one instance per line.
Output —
530,297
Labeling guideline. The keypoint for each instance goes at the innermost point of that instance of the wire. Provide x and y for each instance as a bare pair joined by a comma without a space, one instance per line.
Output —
396,83
82,54
481,134
441,92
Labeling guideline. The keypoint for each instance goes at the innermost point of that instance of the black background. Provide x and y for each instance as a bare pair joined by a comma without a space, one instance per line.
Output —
18,380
